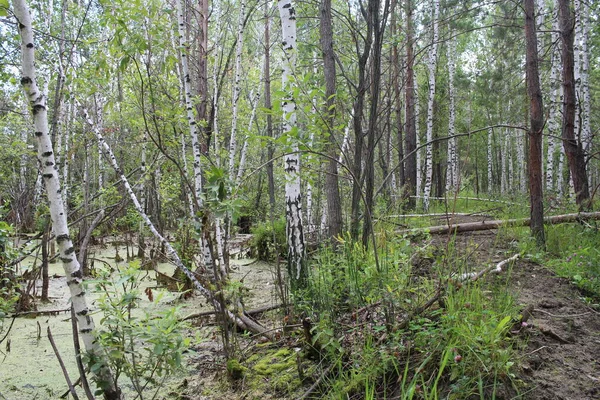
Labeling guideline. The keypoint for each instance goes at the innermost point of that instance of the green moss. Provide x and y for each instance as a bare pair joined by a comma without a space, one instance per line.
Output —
235,369
275,370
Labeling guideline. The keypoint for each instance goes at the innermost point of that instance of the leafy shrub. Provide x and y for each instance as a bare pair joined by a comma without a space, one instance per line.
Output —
145,344
269,240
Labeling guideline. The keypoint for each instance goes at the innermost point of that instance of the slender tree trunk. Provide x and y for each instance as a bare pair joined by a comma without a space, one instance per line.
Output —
553,124
571,144
237,88
332,189
452,162
397,103
378,22
489,160
268,106
298,274
536,113
411,135
57,211
431,66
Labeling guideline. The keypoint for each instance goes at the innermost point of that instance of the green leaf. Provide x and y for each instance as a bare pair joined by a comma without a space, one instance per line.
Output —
3,8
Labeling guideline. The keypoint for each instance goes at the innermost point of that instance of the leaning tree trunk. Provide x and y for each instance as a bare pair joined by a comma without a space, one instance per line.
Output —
57,212
571,144
241,320
536,113
293,198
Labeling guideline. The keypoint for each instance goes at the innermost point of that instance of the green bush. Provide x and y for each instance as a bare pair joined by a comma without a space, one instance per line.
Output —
145,344
269,240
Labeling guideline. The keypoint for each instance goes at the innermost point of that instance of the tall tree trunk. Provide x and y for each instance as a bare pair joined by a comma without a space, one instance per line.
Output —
397,102
332,189
536,113
378,22
410,131
553,124
298,274
237,88
452,161
571,144
268,106
57,212
431,66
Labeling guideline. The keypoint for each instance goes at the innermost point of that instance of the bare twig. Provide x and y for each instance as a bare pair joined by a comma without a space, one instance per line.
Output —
82,375
62,366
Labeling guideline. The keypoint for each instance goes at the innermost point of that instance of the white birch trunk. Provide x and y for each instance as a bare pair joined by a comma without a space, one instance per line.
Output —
236,90
504,165
578,56
511,160
293,196
51,180
521,163
432,64
554,124
255,98
586,131
419,155
187,94
452,162
489,160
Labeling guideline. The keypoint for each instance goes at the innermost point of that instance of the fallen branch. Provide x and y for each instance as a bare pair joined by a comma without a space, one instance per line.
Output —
259,310
473,276
38,313
495,224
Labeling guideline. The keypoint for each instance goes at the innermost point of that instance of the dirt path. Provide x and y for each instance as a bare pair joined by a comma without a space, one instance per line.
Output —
561,342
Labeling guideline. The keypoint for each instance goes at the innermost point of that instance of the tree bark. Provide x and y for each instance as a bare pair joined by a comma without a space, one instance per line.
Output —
536,113
411,135
431,66
571,144
298,274
334,203
497,223
57,212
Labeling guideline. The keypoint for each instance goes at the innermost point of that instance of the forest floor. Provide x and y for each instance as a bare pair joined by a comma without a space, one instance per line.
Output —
559,349
560,354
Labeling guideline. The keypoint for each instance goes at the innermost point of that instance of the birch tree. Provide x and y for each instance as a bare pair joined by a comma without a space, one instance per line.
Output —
452,163
431,67
572,146
58,216
293,196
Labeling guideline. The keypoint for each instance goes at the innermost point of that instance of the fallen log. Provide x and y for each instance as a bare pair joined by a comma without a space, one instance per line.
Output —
497,223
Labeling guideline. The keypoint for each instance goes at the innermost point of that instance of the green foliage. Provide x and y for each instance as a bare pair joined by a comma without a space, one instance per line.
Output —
145,344
367,323
573,253
9,294
269,241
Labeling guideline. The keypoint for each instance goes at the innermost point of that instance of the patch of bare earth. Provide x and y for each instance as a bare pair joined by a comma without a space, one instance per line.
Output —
561,342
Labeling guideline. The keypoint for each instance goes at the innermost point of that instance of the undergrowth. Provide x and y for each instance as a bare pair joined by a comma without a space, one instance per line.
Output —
572,252
386,327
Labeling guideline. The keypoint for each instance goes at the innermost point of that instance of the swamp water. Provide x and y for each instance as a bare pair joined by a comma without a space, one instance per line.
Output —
30,370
